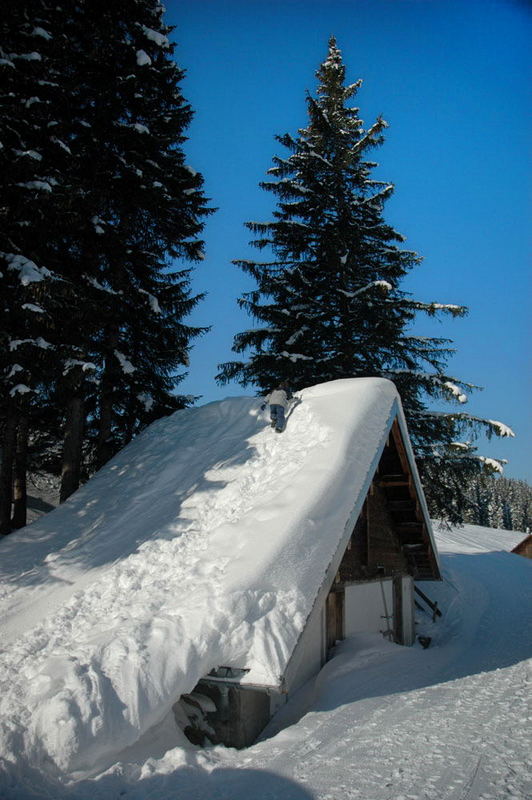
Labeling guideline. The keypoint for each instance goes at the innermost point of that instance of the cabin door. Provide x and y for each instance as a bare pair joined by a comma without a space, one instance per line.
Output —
335,618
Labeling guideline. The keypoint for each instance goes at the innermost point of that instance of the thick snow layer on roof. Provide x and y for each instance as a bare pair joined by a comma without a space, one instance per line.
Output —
203,543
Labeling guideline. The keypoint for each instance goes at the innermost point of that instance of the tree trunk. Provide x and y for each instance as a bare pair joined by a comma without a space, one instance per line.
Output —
7,454
73,440
20,497
103,445
104,449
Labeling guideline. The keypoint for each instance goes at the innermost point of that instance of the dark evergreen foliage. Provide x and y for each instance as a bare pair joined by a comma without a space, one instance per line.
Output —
329,303
100,219
29,177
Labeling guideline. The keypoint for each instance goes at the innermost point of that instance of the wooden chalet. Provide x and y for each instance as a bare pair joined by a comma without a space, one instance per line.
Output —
368,586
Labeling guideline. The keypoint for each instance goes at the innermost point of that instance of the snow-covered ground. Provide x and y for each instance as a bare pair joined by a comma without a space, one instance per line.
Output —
90,642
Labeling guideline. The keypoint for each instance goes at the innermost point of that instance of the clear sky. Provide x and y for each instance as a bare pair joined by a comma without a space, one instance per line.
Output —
452,80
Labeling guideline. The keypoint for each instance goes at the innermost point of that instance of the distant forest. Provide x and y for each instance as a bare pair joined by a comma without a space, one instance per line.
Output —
499,503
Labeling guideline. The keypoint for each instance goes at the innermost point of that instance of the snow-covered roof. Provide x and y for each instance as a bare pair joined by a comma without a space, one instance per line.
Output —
203,543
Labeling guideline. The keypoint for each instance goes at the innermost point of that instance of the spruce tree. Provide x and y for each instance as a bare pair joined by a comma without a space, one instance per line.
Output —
31,165
328,302
101,221
140,211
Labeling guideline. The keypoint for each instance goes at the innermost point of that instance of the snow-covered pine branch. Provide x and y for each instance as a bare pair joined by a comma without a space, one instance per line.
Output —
434,308
384,286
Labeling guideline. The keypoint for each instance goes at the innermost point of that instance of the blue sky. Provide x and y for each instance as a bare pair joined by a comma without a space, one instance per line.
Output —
452,80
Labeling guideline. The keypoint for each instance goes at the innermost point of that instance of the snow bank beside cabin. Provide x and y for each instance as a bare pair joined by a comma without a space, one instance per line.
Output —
203,543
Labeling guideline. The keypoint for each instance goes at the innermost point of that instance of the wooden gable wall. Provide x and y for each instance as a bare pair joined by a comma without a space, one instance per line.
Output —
524,548
390,536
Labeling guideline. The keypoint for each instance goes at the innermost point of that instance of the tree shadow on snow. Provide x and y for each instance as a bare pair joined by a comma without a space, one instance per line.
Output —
195,784
129,502
184,783
39,505
140,495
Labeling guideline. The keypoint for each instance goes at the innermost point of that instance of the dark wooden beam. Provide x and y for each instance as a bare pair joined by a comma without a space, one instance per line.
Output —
402,505
393,480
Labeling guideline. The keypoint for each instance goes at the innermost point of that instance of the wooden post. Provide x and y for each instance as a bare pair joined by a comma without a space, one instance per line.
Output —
71,468
7,455
398,633
20,497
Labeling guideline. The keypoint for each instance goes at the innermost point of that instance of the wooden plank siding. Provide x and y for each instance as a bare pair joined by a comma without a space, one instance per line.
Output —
385,556
390,536
405,509
524,548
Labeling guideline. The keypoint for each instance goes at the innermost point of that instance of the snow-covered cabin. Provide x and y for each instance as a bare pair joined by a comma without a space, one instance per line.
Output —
356,567
205,572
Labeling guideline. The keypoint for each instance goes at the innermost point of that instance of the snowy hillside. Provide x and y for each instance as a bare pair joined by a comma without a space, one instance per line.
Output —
110,609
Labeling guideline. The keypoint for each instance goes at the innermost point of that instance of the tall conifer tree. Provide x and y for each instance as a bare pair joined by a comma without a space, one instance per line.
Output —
31,165
101,220
140,212
329,304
